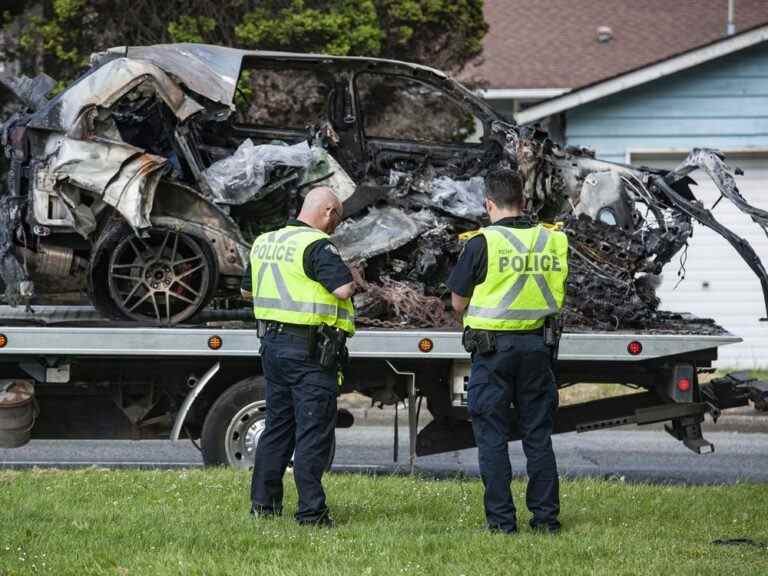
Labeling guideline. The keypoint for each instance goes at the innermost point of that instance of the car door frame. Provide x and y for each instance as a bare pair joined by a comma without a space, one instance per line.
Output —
409,149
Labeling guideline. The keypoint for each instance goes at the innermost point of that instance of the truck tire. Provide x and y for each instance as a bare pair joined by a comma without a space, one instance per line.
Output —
234,424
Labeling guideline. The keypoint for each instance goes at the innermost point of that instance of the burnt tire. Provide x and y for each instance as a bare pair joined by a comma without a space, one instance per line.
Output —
164,278
234,424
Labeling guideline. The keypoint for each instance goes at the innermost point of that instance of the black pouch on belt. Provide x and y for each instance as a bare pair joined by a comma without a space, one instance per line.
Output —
553,330
480,341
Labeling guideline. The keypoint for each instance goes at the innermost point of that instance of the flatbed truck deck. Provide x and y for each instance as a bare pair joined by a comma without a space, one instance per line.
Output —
94,378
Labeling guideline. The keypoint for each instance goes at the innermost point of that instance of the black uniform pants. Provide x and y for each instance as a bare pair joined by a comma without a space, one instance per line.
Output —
520,373
301,415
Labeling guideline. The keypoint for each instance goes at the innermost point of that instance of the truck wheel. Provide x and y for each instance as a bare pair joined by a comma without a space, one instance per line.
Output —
234,424
164,278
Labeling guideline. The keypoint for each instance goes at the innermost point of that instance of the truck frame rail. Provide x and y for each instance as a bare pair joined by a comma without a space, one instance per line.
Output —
144,341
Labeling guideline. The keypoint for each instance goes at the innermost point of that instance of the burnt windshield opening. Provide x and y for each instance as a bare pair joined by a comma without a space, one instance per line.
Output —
388,105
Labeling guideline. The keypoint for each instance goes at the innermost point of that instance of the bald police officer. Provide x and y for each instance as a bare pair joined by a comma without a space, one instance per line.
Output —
508,280
301,291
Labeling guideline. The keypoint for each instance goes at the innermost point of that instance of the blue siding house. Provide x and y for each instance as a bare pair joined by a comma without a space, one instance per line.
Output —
715,97
721,104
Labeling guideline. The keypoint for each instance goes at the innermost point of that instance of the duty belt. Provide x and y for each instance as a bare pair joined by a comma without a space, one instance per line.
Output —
299,330
535,332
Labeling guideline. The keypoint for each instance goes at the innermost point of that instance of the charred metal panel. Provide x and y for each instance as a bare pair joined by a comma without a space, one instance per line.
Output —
30,91
181,207
123,176
68,112
604,198
210,71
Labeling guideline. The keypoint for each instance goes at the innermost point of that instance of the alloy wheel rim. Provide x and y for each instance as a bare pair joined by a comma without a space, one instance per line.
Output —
162,278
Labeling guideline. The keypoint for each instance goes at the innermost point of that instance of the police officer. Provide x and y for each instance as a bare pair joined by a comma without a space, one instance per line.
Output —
508,280
301,290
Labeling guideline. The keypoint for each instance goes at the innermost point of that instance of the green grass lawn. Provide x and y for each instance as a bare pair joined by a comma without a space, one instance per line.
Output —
196,522
762,374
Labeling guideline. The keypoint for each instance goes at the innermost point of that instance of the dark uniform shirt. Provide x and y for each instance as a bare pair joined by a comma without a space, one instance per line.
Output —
322,263
472,265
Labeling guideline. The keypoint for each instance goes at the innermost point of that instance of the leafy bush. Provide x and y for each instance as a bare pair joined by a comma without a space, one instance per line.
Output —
57,36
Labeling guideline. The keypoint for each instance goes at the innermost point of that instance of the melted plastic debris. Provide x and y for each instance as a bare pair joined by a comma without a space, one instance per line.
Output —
381,230
241,177
461,198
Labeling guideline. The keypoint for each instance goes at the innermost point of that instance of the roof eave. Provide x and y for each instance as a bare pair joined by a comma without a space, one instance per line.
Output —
645,74
521,93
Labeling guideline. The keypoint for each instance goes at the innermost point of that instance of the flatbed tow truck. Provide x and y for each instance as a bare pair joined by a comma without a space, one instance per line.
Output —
93,378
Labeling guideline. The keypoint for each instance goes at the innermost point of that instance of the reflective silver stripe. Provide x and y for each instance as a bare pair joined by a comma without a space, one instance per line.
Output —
503,312
513,292
509,235
290,304
290,233
286,302
293,306
546,292
282,289
260,277
270,303
541,241
499,314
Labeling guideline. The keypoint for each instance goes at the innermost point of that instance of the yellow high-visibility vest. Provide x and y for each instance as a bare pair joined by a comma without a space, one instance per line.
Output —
525,281
282,292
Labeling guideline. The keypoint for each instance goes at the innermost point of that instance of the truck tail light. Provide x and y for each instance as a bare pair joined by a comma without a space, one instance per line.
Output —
680,385
634,348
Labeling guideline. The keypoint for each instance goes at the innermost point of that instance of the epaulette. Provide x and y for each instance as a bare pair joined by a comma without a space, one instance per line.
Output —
469,234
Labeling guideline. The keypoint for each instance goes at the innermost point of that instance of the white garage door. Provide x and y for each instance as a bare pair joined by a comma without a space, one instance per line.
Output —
718,284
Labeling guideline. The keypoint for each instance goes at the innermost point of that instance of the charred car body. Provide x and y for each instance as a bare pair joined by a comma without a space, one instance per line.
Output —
150,176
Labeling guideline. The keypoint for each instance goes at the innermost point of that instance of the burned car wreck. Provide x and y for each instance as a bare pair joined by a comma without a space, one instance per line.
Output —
149,177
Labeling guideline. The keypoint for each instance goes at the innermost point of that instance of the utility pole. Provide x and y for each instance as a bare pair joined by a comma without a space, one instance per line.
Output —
730,29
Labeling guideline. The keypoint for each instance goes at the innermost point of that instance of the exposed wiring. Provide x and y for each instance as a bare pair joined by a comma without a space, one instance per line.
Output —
682,271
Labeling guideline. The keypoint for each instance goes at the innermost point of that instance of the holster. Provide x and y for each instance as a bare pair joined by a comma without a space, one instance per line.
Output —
553,330
329,347
480,341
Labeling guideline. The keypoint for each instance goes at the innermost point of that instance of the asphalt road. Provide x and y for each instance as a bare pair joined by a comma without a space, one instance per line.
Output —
651,456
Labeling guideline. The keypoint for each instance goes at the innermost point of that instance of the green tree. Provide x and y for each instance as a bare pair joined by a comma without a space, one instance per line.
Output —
57,36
